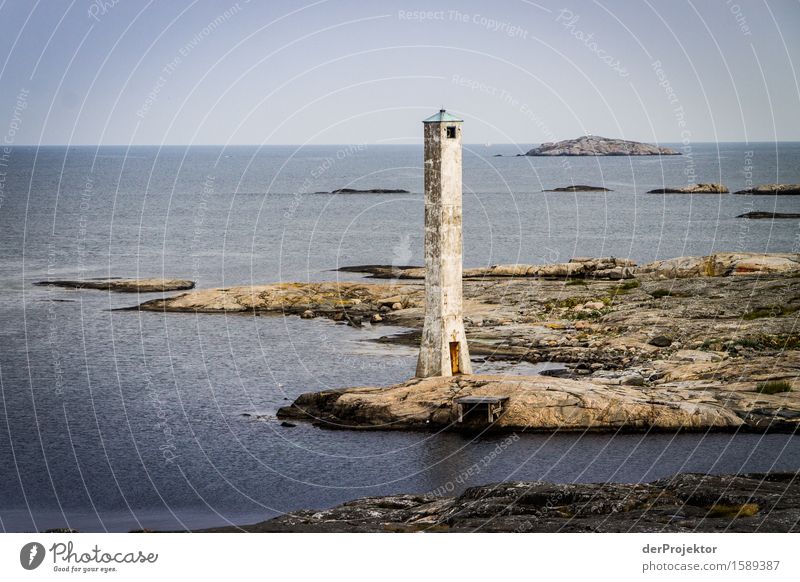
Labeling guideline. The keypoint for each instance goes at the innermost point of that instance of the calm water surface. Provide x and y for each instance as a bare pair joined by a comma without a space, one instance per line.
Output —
119,420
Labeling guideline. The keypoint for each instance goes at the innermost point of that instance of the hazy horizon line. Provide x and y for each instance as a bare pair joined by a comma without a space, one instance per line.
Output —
362,144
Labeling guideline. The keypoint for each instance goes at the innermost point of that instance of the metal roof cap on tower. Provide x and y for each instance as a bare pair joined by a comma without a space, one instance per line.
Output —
442,117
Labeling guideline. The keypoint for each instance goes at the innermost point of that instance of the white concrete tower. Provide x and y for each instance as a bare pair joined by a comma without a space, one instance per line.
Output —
444,350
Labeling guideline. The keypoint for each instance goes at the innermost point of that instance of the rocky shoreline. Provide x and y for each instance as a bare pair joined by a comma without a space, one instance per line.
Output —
683,503
352,303
697,343
612,268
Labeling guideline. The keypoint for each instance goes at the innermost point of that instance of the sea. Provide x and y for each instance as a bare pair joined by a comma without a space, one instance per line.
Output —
116,420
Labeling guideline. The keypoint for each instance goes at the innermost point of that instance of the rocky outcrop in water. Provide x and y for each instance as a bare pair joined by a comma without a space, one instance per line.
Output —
594,145
367,191
579,267
693,189
614,268
693,342
687,503
579,188
719,328
535,403
352,303
121,285
715,335
768,215
772,189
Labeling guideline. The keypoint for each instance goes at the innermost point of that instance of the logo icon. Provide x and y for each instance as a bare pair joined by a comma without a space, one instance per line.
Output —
31,555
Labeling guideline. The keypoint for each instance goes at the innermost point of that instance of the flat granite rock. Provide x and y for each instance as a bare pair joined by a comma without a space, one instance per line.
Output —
614,268
122,285
538,403
722,265
351,303
684,503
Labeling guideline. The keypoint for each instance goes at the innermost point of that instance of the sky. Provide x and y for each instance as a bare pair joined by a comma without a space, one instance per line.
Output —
121,72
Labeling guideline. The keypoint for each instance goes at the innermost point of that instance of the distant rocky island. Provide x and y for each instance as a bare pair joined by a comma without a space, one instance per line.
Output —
579,188
122,285
692,189
366,191
594,145
774,189
768,215
712,188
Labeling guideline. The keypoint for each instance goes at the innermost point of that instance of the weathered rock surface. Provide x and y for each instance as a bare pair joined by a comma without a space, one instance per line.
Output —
539,403
613,268
722,265
536,320
772,189
536,403
692,189
121,285
683,503
348,302
579,267
768,215
579,188
594,145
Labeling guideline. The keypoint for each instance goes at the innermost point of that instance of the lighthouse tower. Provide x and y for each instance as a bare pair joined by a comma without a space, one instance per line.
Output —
444,350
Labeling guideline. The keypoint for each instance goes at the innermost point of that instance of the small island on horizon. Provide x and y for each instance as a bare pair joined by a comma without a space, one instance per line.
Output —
595,145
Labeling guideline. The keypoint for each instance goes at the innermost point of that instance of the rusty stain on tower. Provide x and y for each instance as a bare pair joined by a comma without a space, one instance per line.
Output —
444,350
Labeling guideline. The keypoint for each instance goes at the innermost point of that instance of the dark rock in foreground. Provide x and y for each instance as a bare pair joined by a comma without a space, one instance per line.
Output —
769,215
579,188
120,285
594,145
772,189
683,503
660,341
693,189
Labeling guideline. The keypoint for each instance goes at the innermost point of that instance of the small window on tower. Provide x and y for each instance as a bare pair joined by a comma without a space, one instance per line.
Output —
451,132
